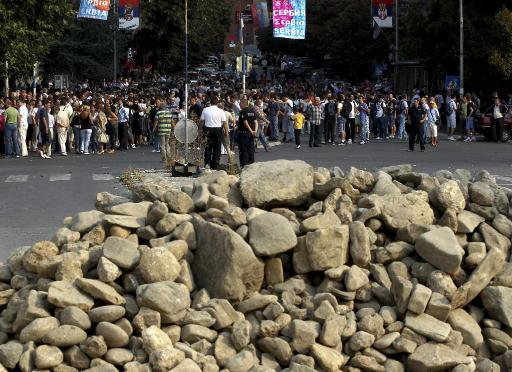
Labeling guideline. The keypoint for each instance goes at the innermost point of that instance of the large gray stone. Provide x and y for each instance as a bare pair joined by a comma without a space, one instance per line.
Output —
122,252
359,244
435,357
84,221
468,221
428,326
132,209
461,321
224,263
158,265
401,210
441,249
448,196
276,183
271,234
327,248
491,265
168,298
497,300
101,291
64,294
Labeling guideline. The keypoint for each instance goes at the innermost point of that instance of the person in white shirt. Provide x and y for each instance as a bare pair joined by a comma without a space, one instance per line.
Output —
51,124
451,117
213,120
23,127
380,105
351,128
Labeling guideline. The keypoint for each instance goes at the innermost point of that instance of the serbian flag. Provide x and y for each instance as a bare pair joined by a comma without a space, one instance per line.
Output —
94,9
382,13
129,14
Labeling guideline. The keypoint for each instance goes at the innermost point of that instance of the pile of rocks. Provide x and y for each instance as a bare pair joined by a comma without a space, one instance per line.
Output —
288,267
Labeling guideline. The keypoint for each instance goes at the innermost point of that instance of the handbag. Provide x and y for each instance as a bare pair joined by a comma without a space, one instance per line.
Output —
103,138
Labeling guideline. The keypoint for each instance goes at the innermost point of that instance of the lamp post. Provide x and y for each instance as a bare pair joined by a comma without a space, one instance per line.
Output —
185,104
461,55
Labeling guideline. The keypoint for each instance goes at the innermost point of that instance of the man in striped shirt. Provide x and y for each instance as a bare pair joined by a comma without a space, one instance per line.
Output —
163,129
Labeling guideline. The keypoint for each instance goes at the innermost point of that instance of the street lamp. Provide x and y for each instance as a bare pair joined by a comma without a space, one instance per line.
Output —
461,55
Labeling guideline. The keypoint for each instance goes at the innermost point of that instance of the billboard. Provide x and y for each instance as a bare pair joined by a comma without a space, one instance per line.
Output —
289,19
382,13
95,9
129,14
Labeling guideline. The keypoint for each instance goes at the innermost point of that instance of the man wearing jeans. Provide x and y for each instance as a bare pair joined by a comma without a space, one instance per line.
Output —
23,128
124,116
314,116
273,112
12,119
402,114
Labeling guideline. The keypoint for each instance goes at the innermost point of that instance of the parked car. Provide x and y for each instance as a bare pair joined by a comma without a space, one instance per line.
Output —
483,125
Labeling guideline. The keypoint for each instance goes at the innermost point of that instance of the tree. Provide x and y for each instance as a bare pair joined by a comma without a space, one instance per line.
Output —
26,29
501,50
162,43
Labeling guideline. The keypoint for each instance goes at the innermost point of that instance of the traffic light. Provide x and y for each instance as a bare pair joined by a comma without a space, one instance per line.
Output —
239,64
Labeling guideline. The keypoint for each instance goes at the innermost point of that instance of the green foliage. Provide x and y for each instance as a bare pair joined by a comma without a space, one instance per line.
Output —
161,38
26,29
501,51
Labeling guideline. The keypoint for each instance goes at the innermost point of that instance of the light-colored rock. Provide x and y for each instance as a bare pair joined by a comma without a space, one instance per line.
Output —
158,265
10,354
75,316
461,321
132,209
327,248
276,183
168,298
85,221
224,263
497,301
435,357
327,358
490,266
359,244
65,335
271,234
448,196
428,326
64,236
64,294
440,248
122,252
46,357
101,291
113,335
355,278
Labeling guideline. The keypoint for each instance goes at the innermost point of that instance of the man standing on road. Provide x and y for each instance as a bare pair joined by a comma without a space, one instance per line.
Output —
273,112
23,126
402,112
314,116
163,128
451,117
498,111
12,120
330,121
43,115
62,121
124,116
351,125
380,105
417,116
213,120
247,130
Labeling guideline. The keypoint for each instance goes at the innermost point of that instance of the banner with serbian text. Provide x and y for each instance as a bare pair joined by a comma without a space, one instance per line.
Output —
129,14
382,12
95,9
260,15
289,19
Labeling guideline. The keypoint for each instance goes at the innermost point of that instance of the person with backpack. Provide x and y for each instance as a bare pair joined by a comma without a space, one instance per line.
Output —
380,106
402,108
451,116
470,125
330,121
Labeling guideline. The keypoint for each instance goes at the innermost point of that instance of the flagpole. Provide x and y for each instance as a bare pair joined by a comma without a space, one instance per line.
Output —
186,86
116,20
244,63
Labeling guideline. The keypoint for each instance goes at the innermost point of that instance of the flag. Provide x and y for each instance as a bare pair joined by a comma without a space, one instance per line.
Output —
95,9
129,14
241,30
260,15
289,19
382,13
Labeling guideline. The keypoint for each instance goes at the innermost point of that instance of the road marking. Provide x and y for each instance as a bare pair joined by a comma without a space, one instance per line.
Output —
17,178
102,177
60,177
504,178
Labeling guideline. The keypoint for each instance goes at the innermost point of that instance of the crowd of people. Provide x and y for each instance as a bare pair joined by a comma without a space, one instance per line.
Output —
99,122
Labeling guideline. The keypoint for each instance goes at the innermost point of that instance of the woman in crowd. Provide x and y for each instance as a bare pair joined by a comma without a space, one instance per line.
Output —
101,122
86,125
433,119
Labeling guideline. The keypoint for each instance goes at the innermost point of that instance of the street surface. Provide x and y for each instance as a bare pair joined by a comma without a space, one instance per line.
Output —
37,194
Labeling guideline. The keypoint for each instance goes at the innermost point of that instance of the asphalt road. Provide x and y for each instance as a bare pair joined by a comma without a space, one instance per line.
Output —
37,194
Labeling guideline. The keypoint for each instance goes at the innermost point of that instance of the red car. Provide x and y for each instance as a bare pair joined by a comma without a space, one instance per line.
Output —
483,125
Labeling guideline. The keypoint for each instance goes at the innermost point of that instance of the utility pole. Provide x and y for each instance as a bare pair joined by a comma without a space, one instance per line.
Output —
6,79
116,20
461,56
396,45
244,62
34,77
185,104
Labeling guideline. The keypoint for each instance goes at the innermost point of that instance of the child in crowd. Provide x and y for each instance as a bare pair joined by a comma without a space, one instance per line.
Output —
298,122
